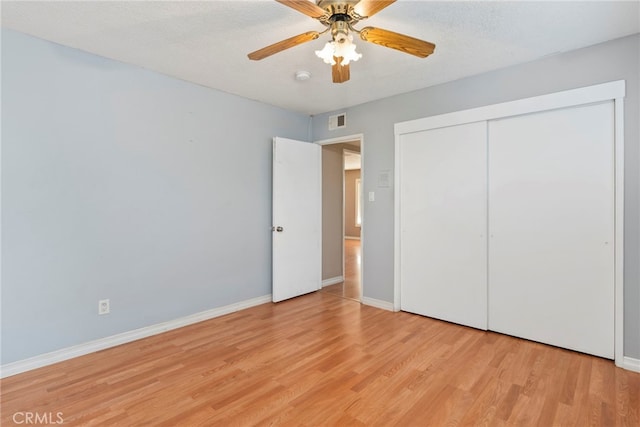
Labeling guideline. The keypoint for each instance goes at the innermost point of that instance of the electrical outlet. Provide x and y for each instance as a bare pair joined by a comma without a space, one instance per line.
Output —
103,306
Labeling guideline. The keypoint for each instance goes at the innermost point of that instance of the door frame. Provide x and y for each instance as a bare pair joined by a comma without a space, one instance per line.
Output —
344,191
339,140
614,91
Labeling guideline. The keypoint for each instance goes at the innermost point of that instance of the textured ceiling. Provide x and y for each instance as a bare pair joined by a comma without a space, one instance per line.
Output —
207,42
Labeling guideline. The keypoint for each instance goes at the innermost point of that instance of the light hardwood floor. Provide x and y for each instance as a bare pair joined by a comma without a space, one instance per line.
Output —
321,360
350,288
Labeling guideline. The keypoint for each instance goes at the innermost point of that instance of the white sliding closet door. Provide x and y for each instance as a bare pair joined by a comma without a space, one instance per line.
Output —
551,221
443,224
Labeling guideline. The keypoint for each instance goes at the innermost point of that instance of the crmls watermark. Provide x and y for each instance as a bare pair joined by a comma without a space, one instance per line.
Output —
38,418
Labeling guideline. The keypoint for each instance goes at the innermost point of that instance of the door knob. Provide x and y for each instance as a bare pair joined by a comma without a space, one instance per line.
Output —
278,229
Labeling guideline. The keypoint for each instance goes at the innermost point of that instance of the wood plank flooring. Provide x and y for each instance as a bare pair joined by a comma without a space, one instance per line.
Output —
350,287
321,360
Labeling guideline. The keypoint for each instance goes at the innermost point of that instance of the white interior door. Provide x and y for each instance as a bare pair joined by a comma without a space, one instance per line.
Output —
297,218
551,220
443,219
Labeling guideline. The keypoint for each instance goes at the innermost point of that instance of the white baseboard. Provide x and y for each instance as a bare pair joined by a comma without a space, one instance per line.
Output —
631,364
35,362
352,237
42,360
385,305
332,281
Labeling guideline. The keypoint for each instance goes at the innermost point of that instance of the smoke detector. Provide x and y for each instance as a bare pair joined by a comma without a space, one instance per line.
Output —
302,76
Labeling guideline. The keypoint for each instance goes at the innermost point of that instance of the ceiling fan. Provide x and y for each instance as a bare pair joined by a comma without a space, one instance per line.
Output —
339,16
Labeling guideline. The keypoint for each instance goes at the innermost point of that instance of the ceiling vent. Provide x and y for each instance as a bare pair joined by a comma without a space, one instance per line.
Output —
338,121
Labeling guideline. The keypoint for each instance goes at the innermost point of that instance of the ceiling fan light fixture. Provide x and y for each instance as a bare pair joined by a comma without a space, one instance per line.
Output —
326,54
347,50
343,48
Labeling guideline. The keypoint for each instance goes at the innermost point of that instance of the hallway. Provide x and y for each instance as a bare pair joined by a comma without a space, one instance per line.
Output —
350,288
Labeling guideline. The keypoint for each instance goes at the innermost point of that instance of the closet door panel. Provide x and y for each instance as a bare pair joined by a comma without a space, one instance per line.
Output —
443,224
551,221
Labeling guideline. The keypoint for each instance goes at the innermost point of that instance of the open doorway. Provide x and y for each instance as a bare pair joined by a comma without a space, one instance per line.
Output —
342,216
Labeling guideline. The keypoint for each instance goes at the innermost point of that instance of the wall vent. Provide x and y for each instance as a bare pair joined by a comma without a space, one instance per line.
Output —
338,121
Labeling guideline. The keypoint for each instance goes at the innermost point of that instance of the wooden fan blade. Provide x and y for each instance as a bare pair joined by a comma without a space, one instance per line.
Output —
397,41
304,6
371,7
339,72
283,45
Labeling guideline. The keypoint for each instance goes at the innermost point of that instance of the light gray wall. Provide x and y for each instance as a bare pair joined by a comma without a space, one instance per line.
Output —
115,184
332,246
122,183
615,60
